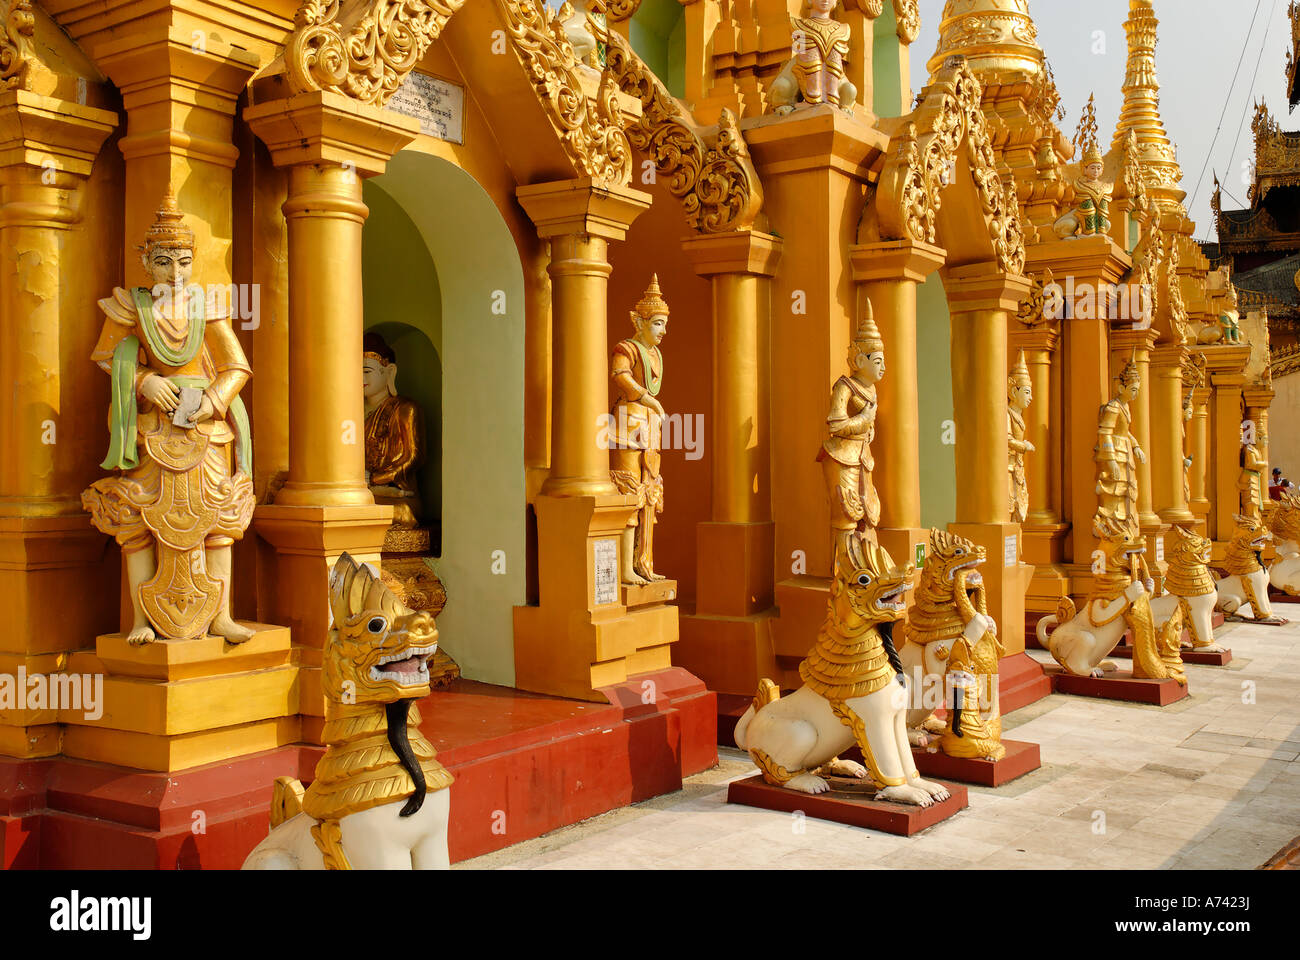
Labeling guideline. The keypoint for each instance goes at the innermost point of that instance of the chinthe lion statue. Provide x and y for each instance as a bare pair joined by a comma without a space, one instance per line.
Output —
1190,589
1120,602
854,692
1246,583
949,634
380,797
1284,574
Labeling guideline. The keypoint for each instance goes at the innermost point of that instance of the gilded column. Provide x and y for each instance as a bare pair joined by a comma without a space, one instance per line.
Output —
1198,433
1167,450
328,143
582,635
1137,344
724,642
981,301
887,275
51,421
1227,378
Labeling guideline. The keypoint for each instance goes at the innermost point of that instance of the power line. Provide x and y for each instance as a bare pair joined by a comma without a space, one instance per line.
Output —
1227,100
1250,96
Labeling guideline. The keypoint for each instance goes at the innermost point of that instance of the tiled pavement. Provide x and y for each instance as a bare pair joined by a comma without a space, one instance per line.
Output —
1211,782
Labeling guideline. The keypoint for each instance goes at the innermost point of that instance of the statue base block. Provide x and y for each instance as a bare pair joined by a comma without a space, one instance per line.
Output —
1021,758
644,595
853,809
1198,657
1265,622
1118,686
1281,596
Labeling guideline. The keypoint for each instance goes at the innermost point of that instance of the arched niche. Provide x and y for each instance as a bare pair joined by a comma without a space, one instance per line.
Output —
440,259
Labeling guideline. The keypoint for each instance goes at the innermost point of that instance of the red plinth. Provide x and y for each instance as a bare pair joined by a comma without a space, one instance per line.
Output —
524,765
902,819
1199,657
1021,758
1281,596
1118,686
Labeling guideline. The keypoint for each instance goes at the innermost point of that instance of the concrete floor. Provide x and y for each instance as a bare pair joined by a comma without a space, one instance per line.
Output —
1211,782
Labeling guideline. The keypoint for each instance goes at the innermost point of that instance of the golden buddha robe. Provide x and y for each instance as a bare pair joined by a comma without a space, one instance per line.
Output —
825,47
183,489
1019,489
846,459
394,453
636,441
1117,488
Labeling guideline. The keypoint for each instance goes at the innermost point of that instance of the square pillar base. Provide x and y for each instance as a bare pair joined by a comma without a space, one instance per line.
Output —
1005,584
176,704
583,635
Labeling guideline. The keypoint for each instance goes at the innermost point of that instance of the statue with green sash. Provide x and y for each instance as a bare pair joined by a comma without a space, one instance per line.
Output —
636,441
181,492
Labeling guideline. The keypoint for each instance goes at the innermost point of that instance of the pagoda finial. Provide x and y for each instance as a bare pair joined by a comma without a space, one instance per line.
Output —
1141,111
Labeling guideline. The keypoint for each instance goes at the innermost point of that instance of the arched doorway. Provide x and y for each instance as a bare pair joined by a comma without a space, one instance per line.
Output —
444,285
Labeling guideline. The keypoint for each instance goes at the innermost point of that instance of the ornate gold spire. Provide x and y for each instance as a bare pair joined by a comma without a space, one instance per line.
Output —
997,37
1141,111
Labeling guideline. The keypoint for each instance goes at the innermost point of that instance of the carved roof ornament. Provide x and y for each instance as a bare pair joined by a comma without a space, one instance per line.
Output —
362,48
592,133
1293,55
717,184
16,51
365,49
907,16
997,37
923,156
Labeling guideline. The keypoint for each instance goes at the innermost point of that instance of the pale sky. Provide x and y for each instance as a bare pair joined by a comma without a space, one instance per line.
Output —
1198,50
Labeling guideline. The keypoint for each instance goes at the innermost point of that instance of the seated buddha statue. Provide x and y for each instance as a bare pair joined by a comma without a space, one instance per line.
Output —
394,434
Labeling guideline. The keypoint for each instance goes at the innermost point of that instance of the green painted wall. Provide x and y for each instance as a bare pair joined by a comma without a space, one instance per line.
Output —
474,263
658,33
886,72
934,378
405,308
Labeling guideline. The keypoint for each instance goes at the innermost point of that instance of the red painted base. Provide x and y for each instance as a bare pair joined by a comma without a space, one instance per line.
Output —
901,819
1122,686
1200,658
1021,758
1281,596
524,765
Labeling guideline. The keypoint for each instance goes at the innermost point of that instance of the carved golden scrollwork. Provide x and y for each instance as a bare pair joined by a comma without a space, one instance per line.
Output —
592,132
363,49
718,185
16,44
617,10
924,161
907,14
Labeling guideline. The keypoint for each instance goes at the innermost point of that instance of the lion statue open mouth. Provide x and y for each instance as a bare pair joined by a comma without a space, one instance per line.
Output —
380,797
854,691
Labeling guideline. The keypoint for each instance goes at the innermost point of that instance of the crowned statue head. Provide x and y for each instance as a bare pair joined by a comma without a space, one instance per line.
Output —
867,351
650,316
1129,380
168,249
378,369
1020,389
1094,163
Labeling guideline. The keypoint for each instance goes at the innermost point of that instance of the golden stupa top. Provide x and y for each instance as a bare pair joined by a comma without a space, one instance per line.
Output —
1141,111
998,38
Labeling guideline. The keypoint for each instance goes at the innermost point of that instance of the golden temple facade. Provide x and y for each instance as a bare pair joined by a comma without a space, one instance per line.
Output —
491,185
